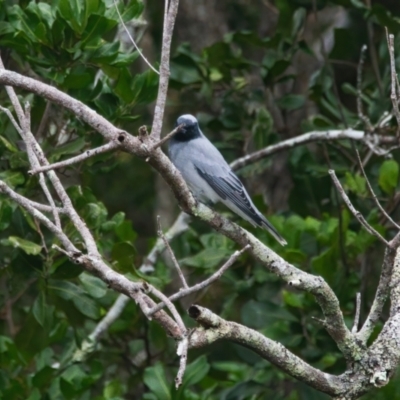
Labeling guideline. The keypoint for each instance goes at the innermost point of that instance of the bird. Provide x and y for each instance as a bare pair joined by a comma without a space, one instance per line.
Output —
209,176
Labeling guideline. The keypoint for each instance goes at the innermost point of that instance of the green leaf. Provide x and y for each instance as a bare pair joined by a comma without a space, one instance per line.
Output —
388,176
194,373
207,258
262,127
71,147
27,246
8,145
293,299
356,183
43,377
69,291
125,231
12,178
93,285
155,380
39,308
291,101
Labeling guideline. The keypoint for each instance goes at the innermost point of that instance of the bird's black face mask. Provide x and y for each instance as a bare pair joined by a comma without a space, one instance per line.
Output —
189,130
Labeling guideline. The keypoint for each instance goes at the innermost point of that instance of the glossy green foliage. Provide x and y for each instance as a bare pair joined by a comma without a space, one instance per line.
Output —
236,85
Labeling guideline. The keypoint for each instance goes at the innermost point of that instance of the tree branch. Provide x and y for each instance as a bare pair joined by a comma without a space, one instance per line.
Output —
356,213
201,285
73,160
169,22
309,137
215,328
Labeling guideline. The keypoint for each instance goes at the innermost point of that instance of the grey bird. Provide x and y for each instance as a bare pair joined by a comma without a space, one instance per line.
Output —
209,176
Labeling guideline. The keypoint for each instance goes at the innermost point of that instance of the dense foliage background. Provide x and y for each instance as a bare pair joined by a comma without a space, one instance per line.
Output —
254,73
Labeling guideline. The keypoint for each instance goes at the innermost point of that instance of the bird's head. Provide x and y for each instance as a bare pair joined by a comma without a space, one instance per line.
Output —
189,128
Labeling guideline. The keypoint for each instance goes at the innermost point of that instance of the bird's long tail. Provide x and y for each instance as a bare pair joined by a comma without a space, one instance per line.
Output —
271,229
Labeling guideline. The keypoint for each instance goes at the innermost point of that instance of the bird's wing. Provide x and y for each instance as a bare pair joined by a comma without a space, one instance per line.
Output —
228,186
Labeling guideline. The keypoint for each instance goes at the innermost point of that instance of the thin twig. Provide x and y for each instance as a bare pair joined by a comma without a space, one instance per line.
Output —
357,314
393,93
361,115
133,42
27,204
180,225
199,286
171,253
373,193
381,295
166,137
43,121
34,161
356,213
12,119
161,296
73,160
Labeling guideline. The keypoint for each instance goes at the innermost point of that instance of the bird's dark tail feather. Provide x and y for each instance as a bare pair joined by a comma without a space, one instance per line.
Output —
271,229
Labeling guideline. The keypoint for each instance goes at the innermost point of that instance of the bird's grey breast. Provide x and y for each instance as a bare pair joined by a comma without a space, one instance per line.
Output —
189,157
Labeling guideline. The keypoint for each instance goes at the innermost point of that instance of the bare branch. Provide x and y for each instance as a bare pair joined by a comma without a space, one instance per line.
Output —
12,119
393,94
73,160
27,205
373,193
169,22
45,208
309,137
23,129
161,296
199,286
356,213
215,328
381,295
180,225
357,314
171,253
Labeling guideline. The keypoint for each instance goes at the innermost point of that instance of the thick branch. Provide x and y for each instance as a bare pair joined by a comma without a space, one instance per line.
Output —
215,328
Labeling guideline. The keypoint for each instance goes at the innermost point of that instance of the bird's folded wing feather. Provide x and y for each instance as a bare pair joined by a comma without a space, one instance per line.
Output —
228,186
